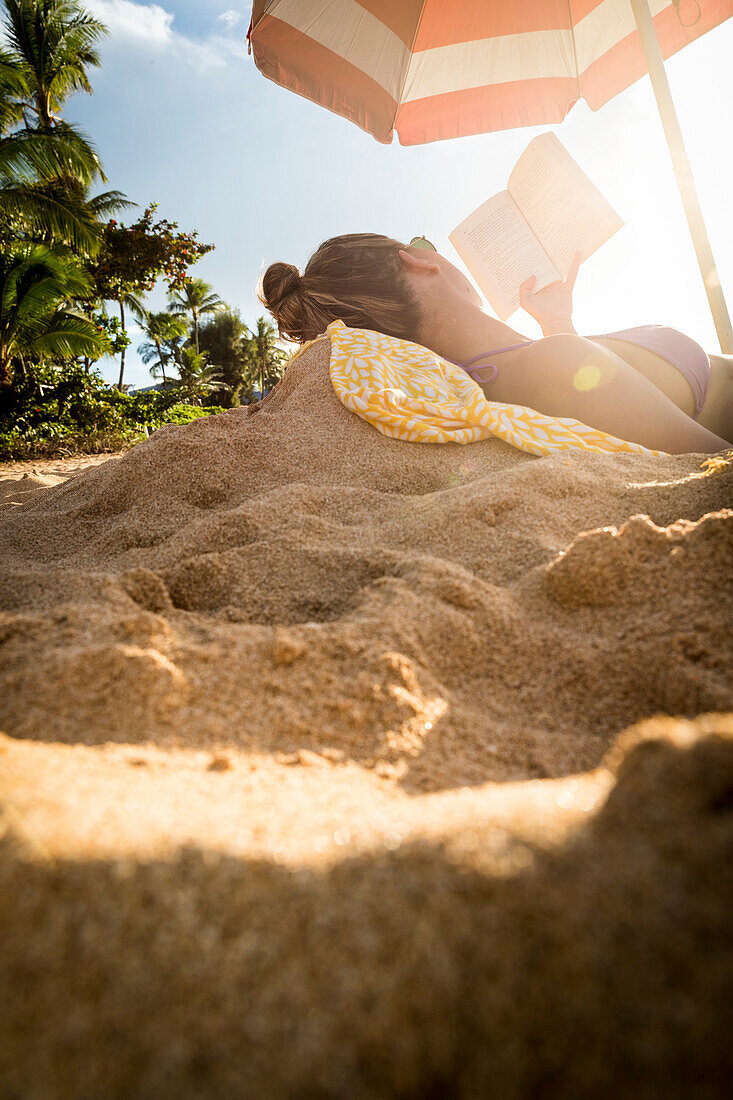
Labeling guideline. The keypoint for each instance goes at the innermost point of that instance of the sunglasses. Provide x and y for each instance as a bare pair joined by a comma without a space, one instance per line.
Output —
422,242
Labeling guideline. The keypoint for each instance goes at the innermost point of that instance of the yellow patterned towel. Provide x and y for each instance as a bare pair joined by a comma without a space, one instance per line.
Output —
408,392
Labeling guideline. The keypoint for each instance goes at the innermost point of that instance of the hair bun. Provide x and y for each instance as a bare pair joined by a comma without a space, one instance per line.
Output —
279,281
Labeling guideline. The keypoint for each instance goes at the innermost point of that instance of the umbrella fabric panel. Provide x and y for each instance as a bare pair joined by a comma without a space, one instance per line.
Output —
447,22
296,61
576,49
610,53
350,57
511,72
435,69
482,110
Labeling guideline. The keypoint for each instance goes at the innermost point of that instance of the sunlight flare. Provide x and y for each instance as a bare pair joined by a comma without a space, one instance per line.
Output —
587,377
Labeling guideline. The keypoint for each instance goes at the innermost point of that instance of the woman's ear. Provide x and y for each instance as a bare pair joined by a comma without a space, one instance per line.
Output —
417,265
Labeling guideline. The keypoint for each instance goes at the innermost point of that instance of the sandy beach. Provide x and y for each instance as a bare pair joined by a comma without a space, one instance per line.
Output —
334,765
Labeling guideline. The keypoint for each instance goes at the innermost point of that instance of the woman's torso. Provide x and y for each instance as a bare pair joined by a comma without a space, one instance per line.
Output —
519,378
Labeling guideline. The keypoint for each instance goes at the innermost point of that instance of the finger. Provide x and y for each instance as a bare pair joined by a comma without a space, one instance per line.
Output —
525,296
573,273
527,285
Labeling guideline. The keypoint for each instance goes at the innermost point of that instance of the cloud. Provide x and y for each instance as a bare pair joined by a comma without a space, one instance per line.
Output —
146,22
230,18
149,27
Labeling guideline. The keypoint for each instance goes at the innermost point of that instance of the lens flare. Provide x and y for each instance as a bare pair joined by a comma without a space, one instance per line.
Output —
587,377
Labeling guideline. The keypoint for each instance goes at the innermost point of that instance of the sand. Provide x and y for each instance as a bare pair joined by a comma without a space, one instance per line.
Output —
339,766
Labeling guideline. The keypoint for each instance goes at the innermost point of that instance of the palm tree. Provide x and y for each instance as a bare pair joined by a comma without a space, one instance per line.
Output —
198,377
197,298
51,43
264,355
30,157
13,89
163,331
36,286
36,201
55,41
131,301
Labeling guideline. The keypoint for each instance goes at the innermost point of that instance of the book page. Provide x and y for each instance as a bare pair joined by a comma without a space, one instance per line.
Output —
566,211
500,250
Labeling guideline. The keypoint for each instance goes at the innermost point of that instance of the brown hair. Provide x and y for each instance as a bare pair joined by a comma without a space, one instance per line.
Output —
356,278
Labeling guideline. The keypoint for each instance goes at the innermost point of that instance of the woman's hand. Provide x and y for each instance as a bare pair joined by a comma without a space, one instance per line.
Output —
552,306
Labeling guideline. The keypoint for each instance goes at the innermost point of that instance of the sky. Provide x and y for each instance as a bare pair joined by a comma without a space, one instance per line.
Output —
181,116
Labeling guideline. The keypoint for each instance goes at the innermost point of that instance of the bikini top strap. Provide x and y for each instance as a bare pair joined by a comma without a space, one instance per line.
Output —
473,373
472,370
495,351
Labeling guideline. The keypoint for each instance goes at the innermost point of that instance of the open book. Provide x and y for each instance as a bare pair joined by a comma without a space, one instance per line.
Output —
549,211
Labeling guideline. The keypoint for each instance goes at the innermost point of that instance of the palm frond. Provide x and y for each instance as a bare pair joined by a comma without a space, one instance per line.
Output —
148,353
29,154
136,306
196,295
45,215
35,285
55,42
69,334
13,88
80,152
109,202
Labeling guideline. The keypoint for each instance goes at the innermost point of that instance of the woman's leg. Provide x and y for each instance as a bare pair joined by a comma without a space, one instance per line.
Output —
665,376
716,414
570,376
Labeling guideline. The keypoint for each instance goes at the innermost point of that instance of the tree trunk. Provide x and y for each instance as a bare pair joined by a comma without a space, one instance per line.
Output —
122,353
162,361
196,330
6,374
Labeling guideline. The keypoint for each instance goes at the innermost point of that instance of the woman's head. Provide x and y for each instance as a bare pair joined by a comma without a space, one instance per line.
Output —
358,278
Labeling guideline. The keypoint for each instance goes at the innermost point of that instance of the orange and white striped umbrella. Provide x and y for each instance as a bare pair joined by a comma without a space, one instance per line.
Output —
433,69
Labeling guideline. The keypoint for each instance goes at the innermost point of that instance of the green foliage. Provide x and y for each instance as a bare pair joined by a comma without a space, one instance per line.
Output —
55,41
184,414
45,163
221,339
249,361
195,296
52,410
132,258
36,321
116,335
164,333
62,256
265,358
57,440
198,377
44,182
13,89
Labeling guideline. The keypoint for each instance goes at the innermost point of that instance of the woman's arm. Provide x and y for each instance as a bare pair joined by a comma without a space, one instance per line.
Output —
552,307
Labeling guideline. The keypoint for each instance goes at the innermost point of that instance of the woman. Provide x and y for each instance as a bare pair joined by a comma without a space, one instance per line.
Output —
642,385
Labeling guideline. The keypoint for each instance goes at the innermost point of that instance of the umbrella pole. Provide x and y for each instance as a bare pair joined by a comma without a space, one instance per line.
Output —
683,173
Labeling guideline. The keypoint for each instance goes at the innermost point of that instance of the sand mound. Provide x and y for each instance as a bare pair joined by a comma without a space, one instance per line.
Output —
261,673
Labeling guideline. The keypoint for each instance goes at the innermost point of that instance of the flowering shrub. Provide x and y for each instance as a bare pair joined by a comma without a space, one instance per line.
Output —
132,258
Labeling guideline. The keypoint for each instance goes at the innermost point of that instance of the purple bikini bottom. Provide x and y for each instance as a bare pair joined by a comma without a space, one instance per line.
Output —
679,350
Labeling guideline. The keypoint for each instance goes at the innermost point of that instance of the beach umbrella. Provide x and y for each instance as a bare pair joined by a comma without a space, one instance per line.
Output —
434,69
